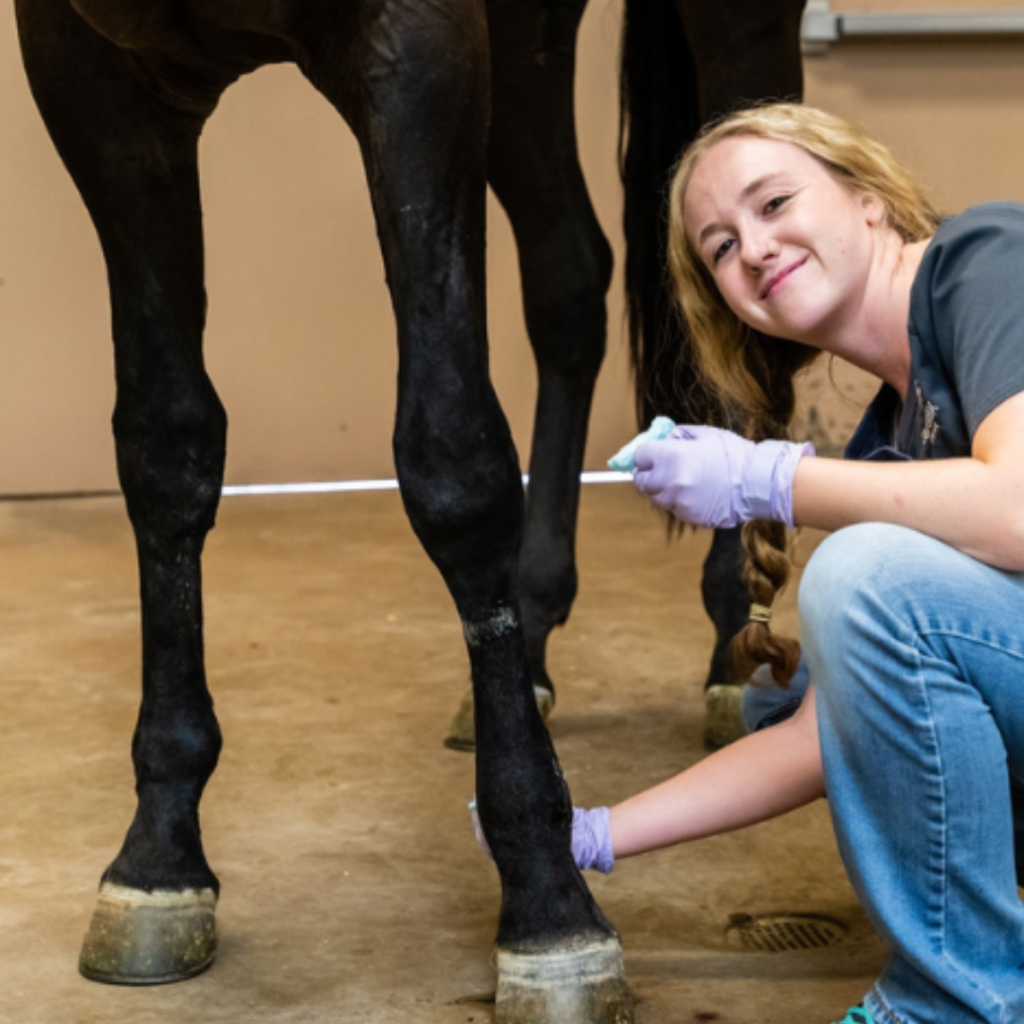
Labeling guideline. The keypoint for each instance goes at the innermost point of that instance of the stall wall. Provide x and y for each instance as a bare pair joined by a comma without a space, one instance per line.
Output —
301,337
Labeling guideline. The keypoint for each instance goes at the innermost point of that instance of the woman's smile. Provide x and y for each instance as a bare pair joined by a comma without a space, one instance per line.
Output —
776,279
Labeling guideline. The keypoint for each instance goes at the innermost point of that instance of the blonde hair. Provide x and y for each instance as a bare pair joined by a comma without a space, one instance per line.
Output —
753,375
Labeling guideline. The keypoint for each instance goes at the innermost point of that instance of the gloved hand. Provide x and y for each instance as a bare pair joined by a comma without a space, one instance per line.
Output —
591,838
712,477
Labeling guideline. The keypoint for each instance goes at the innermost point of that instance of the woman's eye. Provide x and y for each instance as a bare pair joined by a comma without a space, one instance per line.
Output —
720,251
776,203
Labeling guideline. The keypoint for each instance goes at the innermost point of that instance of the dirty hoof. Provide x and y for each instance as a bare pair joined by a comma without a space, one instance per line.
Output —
462,731
576,985
141,938
723,716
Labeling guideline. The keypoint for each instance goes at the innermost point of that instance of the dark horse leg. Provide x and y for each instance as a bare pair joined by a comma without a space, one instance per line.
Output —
421,123
747,51
413,82
684,63
130,145
566,265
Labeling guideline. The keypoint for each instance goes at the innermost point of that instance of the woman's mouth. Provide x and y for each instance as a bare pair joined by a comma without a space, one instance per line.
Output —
776,279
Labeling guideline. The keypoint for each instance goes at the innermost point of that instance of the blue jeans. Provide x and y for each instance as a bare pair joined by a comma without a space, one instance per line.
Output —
917,657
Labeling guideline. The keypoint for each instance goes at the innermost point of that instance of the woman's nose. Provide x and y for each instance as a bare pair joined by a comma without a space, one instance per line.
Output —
759,247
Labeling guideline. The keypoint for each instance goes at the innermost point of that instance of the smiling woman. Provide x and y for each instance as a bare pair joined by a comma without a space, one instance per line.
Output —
753,231
791,234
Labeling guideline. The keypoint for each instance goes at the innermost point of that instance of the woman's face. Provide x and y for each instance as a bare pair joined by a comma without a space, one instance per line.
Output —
789,248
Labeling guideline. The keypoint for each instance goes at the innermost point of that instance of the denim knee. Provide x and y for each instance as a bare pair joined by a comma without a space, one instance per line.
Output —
866,572
875,558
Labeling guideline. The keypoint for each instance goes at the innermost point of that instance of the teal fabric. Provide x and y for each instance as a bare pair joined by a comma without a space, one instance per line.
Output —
622,460
857,1015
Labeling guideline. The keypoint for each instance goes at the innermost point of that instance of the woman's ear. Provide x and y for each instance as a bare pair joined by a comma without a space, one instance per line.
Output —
873,207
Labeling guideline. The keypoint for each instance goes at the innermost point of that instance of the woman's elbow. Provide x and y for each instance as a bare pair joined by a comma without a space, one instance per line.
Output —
1003,546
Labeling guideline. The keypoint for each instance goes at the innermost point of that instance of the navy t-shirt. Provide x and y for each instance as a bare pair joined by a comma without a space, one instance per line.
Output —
966,340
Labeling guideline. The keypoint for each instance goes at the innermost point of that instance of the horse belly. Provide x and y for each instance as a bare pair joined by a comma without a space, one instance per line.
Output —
128,23
137,24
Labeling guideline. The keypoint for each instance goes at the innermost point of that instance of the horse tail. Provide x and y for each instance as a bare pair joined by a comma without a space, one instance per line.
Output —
662,107
659,116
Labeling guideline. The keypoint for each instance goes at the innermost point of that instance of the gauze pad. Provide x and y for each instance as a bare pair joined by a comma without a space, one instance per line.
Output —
622,460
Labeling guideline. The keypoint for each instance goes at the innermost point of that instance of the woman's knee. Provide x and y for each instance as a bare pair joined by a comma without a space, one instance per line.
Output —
863,568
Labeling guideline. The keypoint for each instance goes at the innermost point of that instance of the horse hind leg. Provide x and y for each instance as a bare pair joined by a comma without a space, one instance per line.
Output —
134,161
566,266
420,108
744,52
727,603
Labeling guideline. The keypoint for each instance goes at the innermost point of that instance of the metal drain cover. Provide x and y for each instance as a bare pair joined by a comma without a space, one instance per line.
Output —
783,933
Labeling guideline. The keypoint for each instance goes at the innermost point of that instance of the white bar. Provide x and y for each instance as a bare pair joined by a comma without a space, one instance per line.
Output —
322,487
345,486
822,26
608,476
934,23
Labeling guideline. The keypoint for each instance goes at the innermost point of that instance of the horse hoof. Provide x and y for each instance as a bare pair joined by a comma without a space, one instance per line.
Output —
462,731
141,938
723,715
576,985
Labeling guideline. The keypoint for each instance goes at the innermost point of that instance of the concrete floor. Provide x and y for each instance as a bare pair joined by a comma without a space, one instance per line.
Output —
352,887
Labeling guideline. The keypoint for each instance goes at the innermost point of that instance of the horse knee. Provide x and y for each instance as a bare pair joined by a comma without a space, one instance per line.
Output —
170,459
462,491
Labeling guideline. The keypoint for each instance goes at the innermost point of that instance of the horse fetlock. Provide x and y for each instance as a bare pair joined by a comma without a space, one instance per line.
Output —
149,938
574,983
178,755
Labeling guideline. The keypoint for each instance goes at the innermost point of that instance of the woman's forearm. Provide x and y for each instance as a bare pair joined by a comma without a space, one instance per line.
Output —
758,777
973,504
961,502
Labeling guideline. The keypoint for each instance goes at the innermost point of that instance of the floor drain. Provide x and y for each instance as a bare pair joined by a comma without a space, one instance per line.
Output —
783,933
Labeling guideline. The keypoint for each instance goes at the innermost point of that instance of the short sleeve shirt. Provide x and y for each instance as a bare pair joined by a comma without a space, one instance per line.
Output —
966,331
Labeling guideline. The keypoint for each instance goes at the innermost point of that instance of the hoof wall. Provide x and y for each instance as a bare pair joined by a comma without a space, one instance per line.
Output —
576,985
723,715
462,730
140,938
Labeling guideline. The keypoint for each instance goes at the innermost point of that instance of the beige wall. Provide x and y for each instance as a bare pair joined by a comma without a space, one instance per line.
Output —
301,340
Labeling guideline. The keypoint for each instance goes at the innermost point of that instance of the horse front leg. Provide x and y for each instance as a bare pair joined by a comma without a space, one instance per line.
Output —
419,105
566,266
134,162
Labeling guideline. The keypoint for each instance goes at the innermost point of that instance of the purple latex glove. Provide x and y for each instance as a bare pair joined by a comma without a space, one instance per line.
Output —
712,477
591,838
